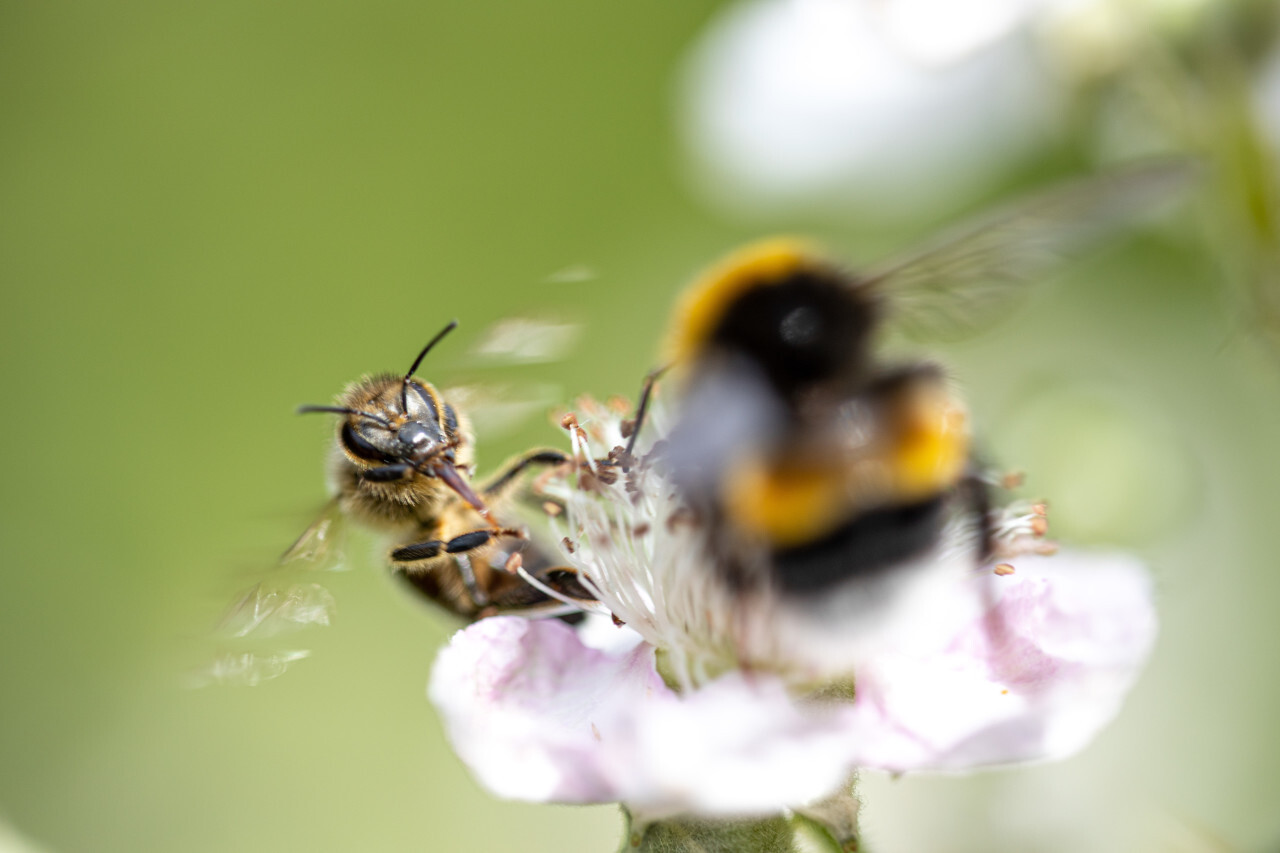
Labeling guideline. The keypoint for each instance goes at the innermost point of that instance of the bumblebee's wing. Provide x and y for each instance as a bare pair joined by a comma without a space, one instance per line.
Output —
971,274
319,548
729,411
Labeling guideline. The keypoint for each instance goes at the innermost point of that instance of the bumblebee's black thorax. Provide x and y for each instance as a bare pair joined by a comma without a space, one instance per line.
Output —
810,327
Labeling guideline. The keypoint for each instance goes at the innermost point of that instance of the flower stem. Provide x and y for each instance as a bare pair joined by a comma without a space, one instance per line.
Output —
774,834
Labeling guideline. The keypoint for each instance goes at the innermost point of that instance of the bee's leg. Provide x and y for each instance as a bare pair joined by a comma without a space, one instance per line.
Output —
468,573
457,545
562,580
503,479
476,538
419,551
428,567
386,473
447,580
642,409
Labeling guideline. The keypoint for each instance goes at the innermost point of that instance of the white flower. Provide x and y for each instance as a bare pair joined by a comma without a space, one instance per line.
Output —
898,106
851,103
538,715
1022,661
1035,678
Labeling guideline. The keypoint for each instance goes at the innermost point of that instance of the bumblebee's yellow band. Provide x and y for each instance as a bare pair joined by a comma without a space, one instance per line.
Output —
931,448
787,506
790,504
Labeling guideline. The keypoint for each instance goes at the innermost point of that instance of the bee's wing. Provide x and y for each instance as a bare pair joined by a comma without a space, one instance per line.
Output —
527,340
495,409
505,381
320,545
244,669
970,275
277,606
282,602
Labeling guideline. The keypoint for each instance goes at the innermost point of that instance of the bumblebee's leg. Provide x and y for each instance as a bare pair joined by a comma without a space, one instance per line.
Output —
386,473
895,378
517,466
977,495
642,409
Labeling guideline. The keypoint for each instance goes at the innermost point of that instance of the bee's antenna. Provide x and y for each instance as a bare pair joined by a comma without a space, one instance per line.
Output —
343,410
404,388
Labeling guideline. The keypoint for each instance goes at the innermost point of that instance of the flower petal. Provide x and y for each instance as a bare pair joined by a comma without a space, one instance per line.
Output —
538,715
1036,677
527,706
738,745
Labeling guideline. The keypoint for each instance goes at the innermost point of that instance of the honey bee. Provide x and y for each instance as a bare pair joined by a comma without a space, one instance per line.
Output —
812,459
402,463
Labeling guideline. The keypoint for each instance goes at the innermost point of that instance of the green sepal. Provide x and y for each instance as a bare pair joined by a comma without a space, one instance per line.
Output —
829,826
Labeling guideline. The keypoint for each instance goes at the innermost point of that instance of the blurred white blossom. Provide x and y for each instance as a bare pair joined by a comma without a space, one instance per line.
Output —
849,102
892,106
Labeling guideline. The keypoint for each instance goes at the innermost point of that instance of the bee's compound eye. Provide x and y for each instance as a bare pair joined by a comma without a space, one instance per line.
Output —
361,447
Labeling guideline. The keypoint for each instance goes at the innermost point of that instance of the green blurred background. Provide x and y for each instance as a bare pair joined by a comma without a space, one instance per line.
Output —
210,213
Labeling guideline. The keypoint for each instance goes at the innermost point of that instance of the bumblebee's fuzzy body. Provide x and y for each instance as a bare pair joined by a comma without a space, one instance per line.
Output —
795,442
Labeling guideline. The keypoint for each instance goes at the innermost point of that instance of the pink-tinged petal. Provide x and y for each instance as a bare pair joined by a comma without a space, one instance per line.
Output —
740,745
538,715
1035,678
527,706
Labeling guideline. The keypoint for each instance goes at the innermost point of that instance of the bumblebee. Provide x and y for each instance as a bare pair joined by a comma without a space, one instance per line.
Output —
402,463
795,440
813,460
